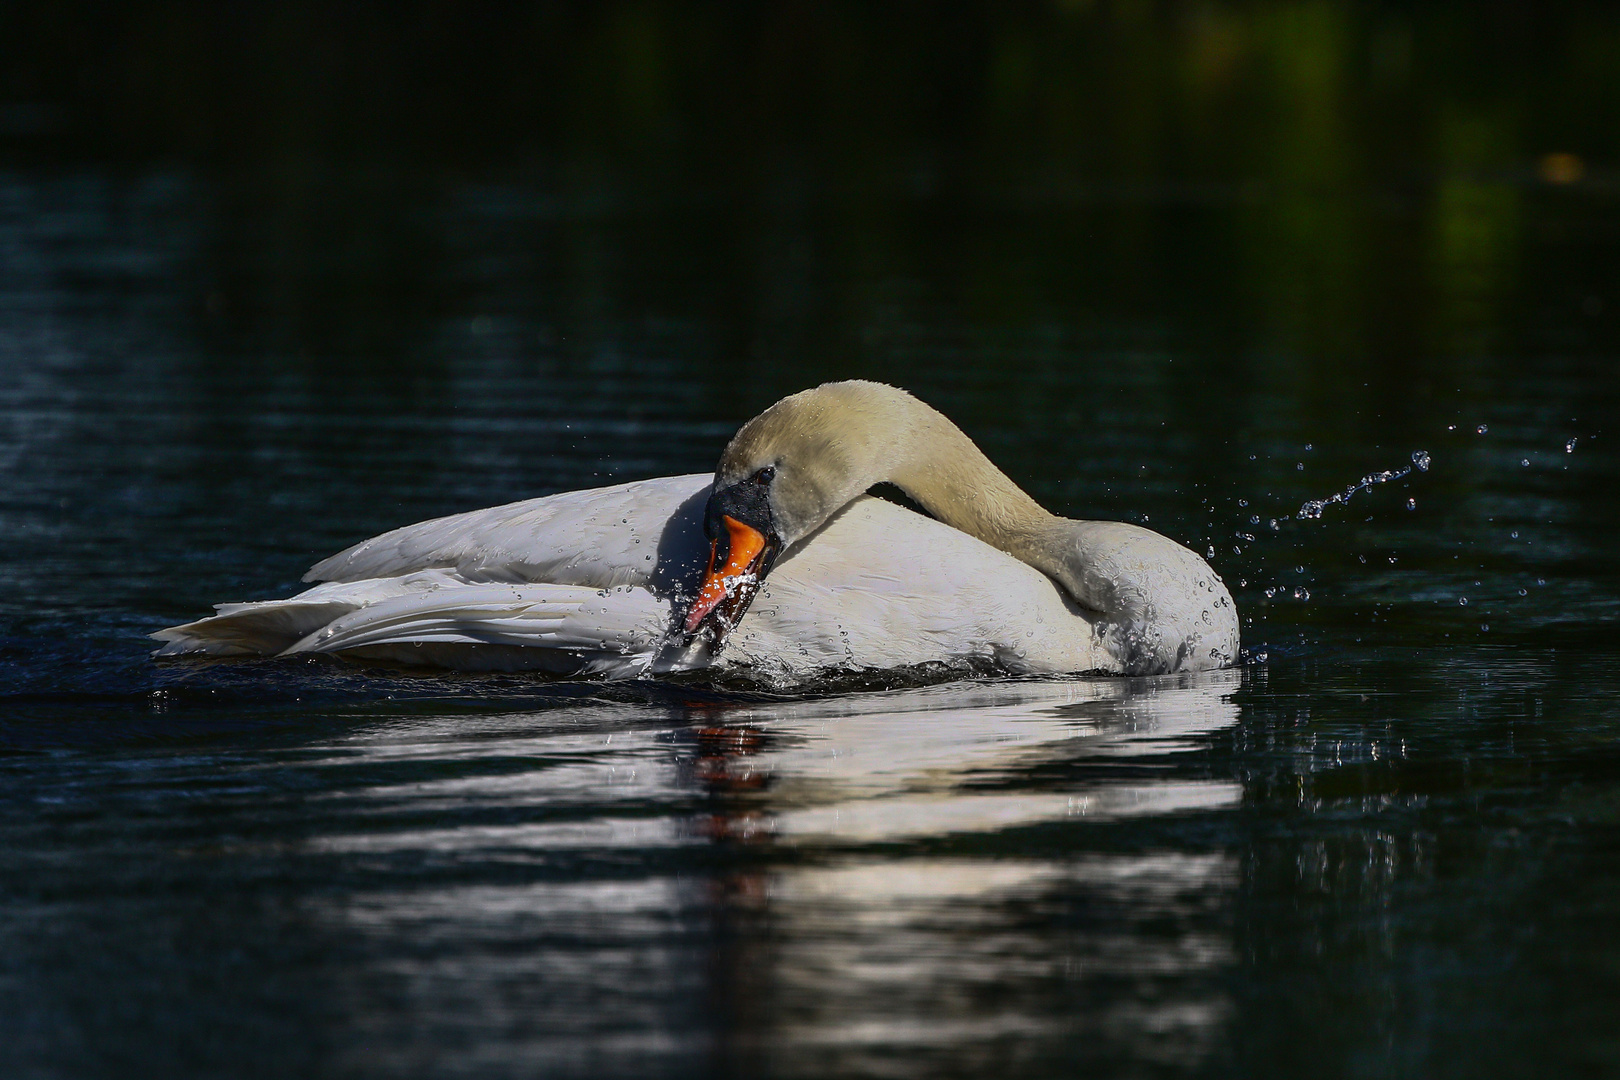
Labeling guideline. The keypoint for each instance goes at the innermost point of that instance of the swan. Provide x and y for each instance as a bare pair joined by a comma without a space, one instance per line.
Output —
779,565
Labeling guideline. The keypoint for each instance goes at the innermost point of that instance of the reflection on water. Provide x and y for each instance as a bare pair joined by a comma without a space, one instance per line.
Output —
859,770
887,883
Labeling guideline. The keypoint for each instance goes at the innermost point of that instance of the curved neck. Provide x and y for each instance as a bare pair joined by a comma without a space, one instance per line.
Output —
951,477
835,442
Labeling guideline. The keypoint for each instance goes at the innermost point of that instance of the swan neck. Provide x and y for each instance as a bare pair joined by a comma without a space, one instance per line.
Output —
954,480
832,444
951,477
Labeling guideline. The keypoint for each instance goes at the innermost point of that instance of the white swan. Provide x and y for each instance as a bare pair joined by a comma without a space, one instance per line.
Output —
656,575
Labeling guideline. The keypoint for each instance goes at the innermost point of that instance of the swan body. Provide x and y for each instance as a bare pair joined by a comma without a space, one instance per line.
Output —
598,581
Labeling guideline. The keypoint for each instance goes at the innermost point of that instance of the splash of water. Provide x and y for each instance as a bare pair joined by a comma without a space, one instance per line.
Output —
1312,509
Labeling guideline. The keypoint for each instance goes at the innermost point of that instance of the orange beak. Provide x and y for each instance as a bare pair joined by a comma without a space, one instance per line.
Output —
735,581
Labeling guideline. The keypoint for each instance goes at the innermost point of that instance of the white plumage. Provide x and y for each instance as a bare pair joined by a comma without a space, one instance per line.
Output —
589,582
596,582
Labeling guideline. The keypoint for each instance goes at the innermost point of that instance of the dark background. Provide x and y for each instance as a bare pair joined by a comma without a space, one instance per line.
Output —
274,278
1354,187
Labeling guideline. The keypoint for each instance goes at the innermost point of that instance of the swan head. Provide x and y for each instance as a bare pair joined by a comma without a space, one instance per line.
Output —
743,544
781,477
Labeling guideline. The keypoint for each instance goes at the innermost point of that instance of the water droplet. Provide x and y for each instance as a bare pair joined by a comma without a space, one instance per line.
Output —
1463,600
1299,569
1411,504
1363,559
1514,534
1541,581
1211,554
1421,459
1274,524
1482,429
1524,461
1307,446
1300,466
1569,447
1243,502
1254,519
1524,592
1485,626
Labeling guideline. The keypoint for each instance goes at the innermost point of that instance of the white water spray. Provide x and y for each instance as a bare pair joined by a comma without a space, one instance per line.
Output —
1312,508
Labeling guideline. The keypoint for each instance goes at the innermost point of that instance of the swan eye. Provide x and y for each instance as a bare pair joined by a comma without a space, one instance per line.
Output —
765,475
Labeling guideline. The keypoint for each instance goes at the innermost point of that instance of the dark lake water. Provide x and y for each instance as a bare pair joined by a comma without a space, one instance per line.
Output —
1387,844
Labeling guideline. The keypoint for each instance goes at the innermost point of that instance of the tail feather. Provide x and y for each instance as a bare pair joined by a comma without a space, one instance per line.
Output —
435,618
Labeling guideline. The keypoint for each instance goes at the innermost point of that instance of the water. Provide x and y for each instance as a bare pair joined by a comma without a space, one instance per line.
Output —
242,328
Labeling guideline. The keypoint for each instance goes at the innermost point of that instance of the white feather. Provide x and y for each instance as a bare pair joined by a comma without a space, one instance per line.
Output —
876,587
599,538
593,580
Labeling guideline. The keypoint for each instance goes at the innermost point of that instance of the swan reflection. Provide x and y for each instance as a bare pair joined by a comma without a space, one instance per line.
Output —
956,759
877,951
974,873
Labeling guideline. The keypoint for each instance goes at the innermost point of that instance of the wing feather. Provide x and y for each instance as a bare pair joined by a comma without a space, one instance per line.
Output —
644,533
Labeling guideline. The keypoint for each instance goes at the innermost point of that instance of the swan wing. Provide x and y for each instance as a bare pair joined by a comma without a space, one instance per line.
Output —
647,533
268,627
876,587
434,618
564,628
